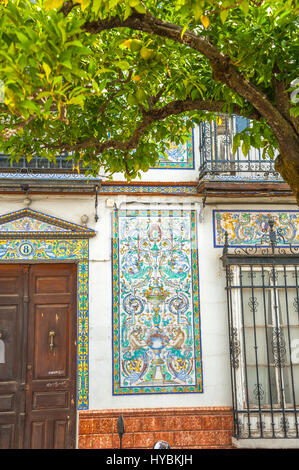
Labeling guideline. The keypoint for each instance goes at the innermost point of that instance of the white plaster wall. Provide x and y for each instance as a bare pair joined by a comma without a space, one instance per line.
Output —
172,174
213,308
214,329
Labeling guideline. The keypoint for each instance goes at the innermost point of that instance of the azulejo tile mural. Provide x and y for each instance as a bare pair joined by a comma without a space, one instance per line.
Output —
246,227
156,315
178,156
37,242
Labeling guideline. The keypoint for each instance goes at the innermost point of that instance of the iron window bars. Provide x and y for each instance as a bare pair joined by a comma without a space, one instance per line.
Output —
216,150
62,164
262,285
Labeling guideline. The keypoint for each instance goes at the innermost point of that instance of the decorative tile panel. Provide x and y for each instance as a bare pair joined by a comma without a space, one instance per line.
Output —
178,156
156,316
246,227
27,224
49,249
34,224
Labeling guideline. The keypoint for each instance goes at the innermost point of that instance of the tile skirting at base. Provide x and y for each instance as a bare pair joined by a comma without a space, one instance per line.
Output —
182,428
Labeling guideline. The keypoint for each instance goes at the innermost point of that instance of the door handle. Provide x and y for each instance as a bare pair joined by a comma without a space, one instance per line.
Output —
51,336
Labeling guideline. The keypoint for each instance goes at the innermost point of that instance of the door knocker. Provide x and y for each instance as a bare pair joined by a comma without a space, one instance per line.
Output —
51,336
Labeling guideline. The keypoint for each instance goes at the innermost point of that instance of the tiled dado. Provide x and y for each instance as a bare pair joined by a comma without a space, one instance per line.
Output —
182,427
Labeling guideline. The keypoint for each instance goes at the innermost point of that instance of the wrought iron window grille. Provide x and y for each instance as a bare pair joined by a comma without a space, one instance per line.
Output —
63,164
216,151
272,243
262,287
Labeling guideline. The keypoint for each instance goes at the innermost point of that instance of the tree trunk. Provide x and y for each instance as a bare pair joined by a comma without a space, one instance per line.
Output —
289,170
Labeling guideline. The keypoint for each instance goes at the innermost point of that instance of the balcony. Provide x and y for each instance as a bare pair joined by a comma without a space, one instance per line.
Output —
41,175
39,165
217,158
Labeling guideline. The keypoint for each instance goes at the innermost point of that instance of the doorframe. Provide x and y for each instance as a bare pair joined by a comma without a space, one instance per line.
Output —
77,252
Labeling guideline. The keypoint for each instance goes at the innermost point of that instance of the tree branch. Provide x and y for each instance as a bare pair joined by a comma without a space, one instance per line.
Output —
223,68
67,7
282,99
151,25
9,132
148,118
112,94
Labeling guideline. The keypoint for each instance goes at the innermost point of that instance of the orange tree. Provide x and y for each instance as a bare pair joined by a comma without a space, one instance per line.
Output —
114,81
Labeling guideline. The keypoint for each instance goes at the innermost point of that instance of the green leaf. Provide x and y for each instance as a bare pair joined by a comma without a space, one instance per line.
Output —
245,7
245,148
135,45
96,5
198,11
47,70
184,30
223,15
77,100
128,12
147,53
140,9
236,143
132,100
141,95
67,64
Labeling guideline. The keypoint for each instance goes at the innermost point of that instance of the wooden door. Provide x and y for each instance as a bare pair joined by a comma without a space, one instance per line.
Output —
12,363
45,403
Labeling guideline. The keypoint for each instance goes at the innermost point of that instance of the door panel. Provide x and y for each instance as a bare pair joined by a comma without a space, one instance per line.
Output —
12,384
38,369
7,436
60,434
8,322
51,340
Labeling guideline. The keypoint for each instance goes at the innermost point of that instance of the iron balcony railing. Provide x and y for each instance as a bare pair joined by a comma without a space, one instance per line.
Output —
216,151
63,164
263,316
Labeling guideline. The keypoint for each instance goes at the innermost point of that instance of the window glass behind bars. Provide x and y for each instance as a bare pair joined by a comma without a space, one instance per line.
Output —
263,302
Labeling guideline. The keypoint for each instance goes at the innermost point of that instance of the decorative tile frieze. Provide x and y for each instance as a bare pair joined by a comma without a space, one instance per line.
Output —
46,176
161,188
156,317
247,227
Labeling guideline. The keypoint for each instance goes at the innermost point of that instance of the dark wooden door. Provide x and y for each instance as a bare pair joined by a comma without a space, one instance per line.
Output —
12,364
38,373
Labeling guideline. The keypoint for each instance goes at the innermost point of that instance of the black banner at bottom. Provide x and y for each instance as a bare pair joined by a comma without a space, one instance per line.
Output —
141,459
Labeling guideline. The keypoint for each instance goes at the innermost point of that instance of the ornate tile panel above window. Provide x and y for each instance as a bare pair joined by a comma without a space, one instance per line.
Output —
156,323
27,235
247,227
